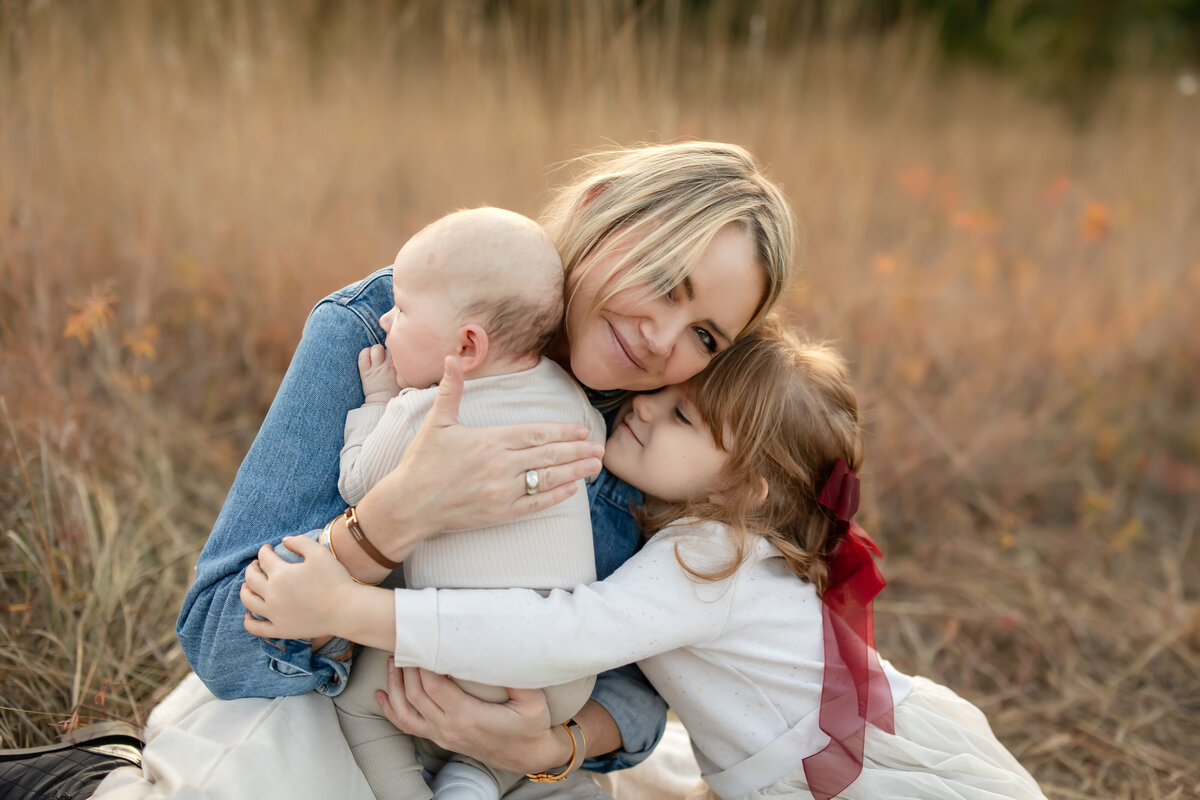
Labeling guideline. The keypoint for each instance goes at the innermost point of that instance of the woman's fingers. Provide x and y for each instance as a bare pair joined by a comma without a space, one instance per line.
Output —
419,697
532,435
394,703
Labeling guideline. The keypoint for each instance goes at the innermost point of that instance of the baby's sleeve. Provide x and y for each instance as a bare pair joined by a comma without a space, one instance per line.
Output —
375,440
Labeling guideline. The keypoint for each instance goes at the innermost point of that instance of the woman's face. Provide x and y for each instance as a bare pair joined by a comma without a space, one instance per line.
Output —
639,341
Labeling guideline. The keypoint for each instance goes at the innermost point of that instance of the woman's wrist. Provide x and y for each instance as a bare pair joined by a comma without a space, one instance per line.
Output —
600,729
356,561
557,753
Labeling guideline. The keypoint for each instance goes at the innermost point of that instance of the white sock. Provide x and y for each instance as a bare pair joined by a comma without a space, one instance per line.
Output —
459,781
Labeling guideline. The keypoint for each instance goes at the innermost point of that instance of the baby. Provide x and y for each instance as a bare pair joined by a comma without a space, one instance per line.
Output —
485,285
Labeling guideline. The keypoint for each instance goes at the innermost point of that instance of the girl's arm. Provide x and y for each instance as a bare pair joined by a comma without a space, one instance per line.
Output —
510,637
516,637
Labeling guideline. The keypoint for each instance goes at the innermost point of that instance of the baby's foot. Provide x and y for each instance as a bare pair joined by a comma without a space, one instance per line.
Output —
459,781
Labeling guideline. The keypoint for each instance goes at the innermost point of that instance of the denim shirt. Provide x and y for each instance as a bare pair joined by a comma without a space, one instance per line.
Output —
287,485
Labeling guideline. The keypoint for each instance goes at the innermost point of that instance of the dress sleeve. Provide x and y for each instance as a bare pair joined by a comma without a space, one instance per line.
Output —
516,637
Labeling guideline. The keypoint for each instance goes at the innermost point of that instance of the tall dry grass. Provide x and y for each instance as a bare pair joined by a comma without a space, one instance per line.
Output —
180,182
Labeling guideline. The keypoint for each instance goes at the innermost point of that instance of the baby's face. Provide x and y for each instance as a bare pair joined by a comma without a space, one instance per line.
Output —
662,446
422,326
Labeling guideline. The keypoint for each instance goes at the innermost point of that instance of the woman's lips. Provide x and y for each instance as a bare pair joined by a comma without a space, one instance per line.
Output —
625,349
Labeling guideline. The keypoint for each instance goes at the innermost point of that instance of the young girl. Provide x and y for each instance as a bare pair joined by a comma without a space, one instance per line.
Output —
749,610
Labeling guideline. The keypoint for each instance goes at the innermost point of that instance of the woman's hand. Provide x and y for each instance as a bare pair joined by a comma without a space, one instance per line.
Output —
295,601
454,477
515,736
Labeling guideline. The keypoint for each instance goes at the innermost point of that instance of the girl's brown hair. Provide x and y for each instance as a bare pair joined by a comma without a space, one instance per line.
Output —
785,411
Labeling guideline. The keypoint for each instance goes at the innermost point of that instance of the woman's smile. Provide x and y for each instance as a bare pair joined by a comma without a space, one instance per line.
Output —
625,349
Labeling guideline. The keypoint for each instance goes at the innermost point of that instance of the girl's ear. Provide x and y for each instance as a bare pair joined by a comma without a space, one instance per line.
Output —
764,490
472,347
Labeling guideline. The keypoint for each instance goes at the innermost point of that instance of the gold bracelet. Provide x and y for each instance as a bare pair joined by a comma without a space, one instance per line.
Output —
578,754
327,540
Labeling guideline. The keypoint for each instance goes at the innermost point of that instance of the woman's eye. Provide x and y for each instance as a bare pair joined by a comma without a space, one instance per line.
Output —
707,340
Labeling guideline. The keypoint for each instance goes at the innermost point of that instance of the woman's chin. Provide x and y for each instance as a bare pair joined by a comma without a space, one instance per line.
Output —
593,375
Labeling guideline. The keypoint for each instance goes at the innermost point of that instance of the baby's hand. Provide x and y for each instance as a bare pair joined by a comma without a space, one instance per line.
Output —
294,601
378,375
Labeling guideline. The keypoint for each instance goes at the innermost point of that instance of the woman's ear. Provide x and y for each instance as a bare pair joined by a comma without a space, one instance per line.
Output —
472,347
764,490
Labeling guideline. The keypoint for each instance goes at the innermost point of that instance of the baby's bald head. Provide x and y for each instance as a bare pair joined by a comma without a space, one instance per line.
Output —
501,270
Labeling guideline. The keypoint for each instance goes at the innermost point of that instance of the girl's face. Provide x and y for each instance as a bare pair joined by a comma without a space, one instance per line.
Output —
661,446
639,340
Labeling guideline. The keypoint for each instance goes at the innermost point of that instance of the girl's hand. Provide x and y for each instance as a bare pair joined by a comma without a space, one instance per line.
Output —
454,477
295,601
515,736
378,374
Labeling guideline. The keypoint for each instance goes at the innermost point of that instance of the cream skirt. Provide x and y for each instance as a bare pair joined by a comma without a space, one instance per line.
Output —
943,749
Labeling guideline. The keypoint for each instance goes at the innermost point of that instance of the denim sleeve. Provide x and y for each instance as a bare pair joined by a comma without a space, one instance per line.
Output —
286,485
640,714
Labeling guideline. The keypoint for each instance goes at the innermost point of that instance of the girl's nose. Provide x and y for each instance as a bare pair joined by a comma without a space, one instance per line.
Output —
385,321
643,406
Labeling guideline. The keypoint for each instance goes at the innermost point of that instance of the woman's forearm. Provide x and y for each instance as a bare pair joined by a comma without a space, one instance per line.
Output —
600,729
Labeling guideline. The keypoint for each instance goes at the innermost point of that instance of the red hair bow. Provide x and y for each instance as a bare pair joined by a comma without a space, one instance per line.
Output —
854,691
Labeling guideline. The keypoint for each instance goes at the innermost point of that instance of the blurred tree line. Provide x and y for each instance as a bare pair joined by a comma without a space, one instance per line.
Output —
1067,49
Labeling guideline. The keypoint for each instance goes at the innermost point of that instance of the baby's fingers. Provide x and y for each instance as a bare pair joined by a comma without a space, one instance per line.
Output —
371,357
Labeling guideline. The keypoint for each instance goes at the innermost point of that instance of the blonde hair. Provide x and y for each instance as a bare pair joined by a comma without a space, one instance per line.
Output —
785,411
666,203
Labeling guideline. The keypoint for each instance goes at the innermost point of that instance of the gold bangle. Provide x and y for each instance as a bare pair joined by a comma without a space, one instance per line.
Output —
327,540
351,515
578,754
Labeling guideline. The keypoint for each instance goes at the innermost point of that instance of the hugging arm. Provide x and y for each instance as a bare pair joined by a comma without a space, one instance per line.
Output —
623,721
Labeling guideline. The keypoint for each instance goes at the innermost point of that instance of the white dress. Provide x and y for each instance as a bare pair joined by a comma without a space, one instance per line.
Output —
740,661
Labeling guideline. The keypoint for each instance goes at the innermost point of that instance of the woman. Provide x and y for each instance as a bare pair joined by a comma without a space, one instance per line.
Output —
671,252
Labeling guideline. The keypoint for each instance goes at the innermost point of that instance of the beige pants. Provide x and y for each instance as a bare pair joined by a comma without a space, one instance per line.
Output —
391,760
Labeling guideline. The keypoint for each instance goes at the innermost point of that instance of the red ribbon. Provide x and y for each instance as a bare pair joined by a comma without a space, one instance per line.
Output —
855,691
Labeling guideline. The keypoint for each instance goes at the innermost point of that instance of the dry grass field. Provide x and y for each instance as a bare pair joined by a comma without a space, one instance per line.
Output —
1019,294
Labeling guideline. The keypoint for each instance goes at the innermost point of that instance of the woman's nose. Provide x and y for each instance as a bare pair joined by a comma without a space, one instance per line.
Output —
661,333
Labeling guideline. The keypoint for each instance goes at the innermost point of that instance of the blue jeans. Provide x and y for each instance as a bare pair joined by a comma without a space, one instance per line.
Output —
287,485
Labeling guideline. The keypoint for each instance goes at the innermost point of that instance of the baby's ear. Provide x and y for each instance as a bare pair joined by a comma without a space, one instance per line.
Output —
472,346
